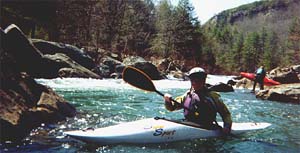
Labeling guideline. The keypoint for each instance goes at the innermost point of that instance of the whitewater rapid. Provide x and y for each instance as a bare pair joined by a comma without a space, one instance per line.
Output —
84,83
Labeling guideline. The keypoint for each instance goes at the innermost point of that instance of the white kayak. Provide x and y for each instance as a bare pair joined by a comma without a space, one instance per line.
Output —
155,131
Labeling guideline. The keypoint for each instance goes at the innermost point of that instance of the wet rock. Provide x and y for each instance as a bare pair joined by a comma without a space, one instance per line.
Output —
145,66
76,54
29,59
178,75
60,65
286,75
284,93
221,87
166,65
25,104
110,67
244,83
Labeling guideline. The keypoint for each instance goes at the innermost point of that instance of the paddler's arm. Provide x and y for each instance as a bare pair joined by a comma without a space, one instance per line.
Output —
226,116
170,105
223,111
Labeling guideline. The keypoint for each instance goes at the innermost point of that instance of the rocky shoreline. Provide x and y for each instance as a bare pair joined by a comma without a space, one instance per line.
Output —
25,104
288,91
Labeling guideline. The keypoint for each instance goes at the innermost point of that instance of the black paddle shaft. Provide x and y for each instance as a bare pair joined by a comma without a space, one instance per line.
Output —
173,100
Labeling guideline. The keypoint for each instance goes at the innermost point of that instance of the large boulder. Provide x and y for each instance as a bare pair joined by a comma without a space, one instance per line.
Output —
31,60
25,104
284,93
110,67
244,83
76,54
286,75
221,87
61,65
145,66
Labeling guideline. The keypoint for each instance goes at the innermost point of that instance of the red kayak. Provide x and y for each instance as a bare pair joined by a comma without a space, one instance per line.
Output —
267,81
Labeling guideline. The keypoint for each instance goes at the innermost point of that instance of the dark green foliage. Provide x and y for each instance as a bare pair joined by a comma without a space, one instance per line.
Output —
235,56
263,30
32,16
293,42
187,35
162,44
177,31
141,28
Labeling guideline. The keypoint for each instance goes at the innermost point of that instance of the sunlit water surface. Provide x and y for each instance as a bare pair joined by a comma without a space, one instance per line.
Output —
102,103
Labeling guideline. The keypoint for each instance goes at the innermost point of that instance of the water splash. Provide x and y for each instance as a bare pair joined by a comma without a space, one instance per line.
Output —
83,83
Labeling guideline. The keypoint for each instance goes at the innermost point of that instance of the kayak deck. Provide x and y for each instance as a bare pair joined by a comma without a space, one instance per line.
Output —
154,131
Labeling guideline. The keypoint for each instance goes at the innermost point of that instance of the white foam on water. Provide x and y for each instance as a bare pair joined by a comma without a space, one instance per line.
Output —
83,83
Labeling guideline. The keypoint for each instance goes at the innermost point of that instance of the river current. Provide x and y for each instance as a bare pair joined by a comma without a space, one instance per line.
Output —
101,103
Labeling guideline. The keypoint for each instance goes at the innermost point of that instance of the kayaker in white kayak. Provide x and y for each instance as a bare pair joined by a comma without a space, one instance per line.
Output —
203,104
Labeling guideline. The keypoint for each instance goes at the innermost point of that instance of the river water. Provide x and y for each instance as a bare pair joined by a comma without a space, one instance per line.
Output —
102,103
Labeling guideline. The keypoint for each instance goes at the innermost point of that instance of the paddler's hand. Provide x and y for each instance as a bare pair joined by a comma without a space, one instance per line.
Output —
167,97
226,128
226,131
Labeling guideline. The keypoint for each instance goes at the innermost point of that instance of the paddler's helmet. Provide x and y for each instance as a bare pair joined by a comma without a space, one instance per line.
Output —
197,72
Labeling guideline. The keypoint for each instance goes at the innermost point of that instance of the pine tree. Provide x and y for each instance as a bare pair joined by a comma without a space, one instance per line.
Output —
236,52
293,46
137,26
270,56
251,50
187,32
163,41
263,36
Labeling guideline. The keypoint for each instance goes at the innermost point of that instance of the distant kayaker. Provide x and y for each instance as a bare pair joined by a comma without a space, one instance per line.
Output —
203,104
260,74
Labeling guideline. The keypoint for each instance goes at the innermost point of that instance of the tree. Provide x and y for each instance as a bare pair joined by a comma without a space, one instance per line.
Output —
106,22
250,52
270,56
74,21
137,26
163,41
263,36
235,56
30,16
293,46
187,33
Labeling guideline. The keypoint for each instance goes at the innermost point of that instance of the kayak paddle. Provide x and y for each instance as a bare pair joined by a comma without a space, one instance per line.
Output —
141,80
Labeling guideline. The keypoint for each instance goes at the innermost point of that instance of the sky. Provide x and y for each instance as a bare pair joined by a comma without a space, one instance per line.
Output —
205,9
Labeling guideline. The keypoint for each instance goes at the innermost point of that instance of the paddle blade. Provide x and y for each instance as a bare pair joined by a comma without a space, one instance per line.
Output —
138,78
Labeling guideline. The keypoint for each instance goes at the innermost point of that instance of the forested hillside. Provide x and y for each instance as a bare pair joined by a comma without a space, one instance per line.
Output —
240,39
262,33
